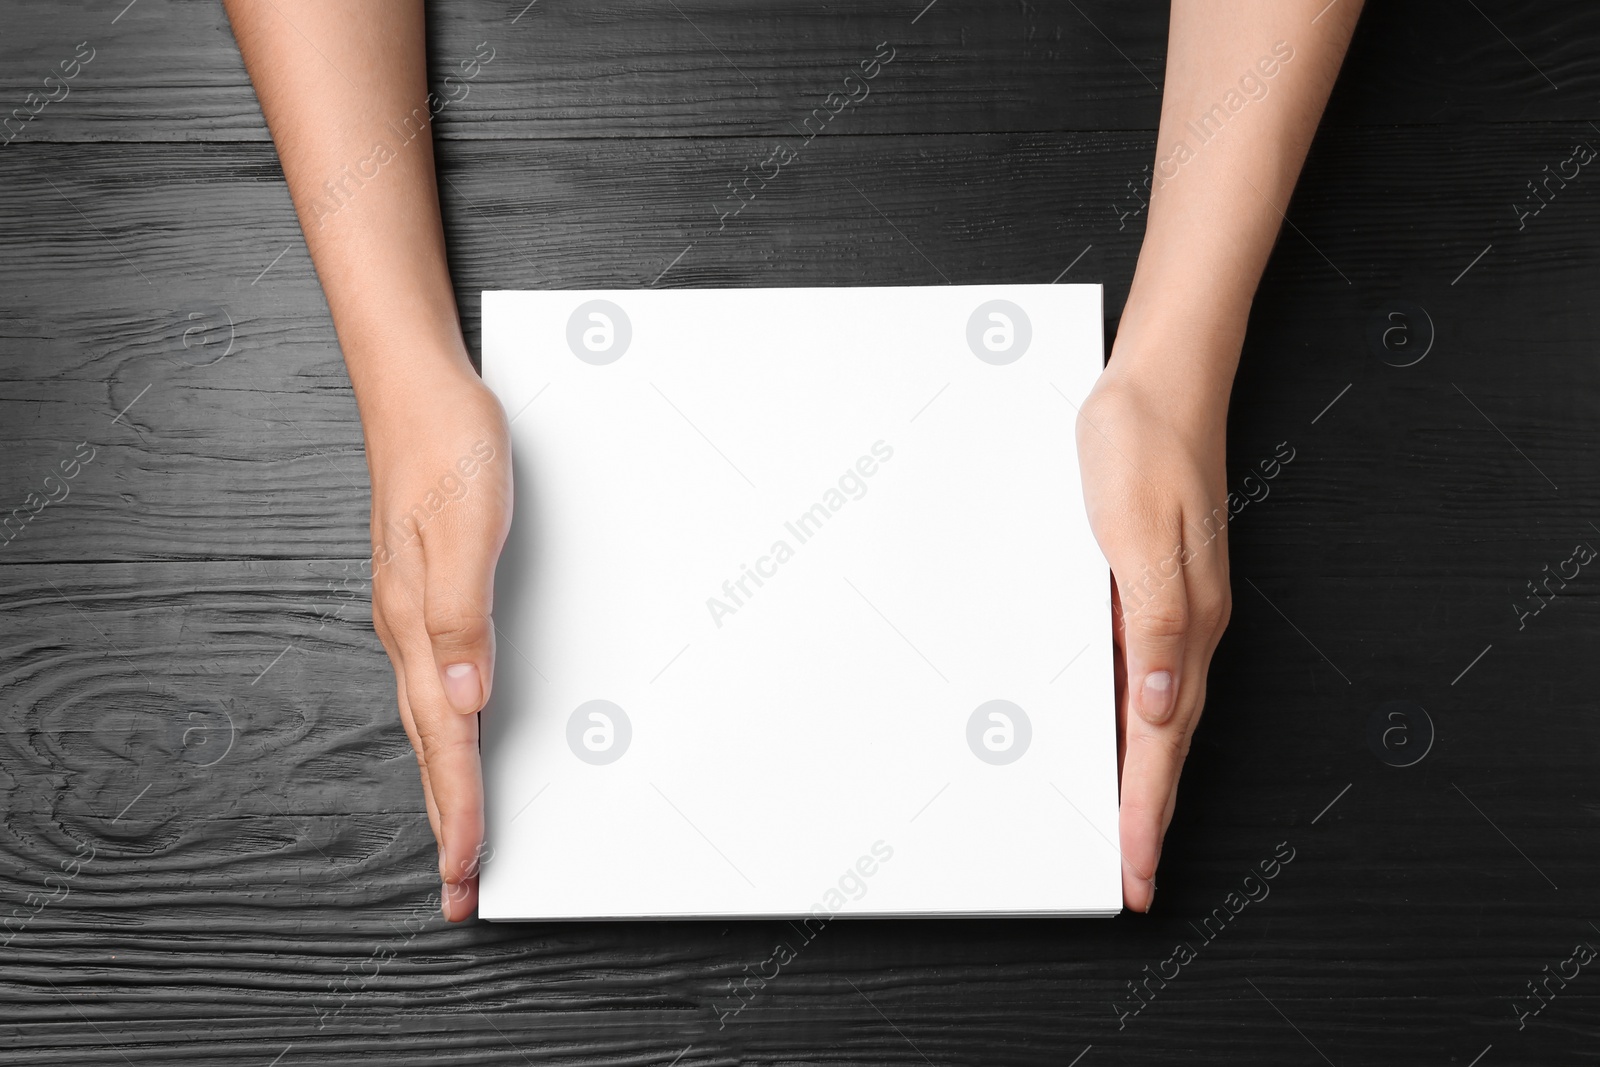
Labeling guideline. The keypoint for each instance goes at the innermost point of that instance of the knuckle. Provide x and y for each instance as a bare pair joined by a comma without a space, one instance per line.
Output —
452,621
380,626
438,746
1143,817
1170,741
1213,604
1160,620
1211,615
389,604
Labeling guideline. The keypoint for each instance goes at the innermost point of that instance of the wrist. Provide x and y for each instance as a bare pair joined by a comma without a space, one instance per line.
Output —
1180,343
398,329
1183,371
400,374
434,402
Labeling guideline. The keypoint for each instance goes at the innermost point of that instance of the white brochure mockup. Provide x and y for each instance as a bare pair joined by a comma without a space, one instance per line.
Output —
800,614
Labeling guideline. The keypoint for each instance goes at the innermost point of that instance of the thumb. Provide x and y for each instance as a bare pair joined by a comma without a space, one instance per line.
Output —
457,602
1147,565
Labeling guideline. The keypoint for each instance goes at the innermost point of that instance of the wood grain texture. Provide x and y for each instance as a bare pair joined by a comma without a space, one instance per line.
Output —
167,70
242,439
191,689
247,893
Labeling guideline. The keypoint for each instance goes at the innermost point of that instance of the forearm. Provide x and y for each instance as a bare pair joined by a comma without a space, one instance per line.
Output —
344,90
1246,84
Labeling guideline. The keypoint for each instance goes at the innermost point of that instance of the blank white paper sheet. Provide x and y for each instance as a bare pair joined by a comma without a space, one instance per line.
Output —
800,614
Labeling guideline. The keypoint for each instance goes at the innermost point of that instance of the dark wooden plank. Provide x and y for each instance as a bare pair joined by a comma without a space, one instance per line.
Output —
257,453
232,908
229,904
1396,541
167,70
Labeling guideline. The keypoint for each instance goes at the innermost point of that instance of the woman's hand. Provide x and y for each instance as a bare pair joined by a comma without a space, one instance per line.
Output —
440,459
1155,484
1152,433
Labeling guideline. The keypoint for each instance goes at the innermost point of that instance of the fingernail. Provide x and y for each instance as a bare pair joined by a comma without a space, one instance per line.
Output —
1156,697
461,687
1152,901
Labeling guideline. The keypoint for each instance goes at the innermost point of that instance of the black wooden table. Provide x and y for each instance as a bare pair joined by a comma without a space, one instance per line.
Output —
213,847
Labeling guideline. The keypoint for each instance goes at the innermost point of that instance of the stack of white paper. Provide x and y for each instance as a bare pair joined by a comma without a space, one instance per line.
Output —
801,613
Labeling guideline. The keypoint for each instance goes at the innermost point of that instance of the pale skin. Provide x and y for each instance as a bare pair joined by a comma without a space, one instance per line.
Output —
335,79
1152,434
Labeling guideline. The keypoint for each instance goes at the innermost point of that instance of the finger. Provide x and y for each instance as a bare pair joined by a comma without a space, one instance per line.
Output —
1151,770
458,901
449,746
1138,874
1191,724
429,804
1188,726
1119,673
1154,752
1210,599
458,601
386,636
1153,757
1145,550
447,740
